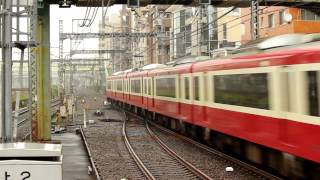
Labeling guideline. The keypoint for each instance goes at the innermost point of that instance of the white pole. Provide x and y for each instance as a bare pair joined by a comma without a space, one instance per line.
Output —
84,118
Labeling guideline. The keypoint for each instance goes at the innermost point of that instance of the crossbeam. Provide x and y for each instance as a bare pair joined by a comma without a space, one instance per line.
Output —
79,60
73,52
77,36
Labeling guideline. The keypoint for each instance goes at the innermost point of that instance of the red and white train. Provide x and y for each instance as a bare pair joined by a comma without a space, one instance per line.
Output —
270,98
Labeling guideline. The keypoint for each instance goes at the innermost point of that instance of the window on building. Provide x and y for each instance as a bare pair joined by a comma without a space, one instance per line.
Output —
271,22
182,18
188,35
196,88
313,93
188,14
166,87
249,90
309,15
281,17
135,86
225,31
204,34
186,88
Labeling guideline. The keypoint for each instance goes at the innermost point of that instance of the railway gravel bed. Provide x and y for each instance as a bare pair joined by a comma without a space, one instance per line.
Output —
160,164
213,165
108,150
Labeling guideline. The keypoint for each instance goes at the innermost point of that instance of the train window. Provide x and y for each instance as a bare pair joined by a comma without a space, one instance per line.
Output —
119,85
166,87
135,86
149,87
125,85
109,85
313,91
186,88
196,87
249,90
145,86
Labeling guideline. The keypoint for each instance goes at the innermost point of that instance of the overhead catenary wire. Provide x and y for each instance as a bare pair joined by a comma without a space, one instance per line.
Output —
86,15
93,17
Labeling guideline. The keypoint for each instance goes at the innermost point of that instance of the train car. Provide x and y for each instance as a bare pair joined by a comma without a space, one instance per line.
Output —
166,94
269,99
135,80
259,105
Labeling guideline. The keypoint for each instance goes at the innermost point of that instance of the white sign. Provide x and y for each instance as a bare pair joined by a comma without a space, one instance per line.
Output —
29,170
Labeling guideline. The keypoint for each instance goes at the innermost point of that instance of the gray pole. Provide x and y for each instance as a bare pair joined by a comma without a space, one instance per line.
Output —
18,92
1,89
7,71
254,19
16,109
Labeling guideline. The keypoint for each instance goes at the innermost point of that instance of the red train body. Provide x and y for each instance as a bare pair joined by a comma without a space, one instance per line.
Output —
271,99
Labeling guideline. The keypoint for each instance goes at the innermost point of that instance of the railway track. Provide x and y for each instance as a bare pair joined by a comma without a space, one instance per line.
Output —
201,162
54,103
204,150
154,158
24,130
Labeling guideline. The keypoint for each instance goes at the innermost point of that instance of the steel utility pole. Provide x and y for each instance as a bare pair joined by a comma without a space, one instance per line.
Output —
101,64
40,73
254,19
6,106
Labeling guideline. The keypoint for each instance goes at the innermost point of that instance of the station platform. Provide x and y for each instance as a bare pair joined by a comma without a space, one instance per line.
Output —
75,160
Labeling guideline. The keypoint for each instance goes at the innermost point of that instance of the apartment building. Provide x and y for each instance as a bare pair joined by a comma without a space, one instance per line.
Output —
152,49
280,20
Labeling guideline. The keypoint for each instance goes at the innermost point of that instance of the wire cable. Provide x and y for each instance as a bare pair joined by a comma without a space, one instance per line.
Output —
216,28
86,15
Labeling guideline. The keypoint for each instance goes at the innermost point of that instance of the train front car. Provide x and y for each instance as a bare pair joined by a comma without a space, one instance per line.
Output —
270,100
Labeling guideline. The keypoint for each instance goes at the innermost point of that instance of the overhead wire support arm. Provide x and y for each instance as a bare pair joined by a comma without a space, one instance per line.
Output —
106,35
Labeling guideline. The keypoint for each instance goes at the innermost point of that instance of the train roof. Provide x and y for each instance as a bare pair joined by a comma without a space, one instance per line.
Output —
186,68
285,57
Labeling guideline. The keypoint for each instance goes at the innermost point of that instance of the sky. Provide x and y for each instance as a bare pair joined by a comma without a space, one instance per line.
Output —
69,16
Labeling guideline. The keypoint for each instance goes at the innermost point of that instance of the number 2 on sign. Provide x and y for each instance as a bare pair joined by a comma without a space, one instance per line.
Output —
25,175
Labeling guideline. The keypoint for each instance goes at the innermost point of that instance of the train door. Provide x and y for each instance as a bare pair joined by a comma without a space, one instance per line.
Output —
152,91
145,92
198,94
149,94
185,98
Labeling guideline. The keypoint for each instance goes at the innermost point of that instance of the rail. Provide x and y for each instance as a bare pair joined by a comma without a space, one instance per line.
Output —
135,157
170,152
89,154
26,109
213,151
54,102
192,168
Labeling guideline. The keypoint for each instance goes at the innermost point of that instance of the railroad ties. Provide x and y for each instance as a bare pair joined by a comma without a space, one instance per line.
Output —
126,146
